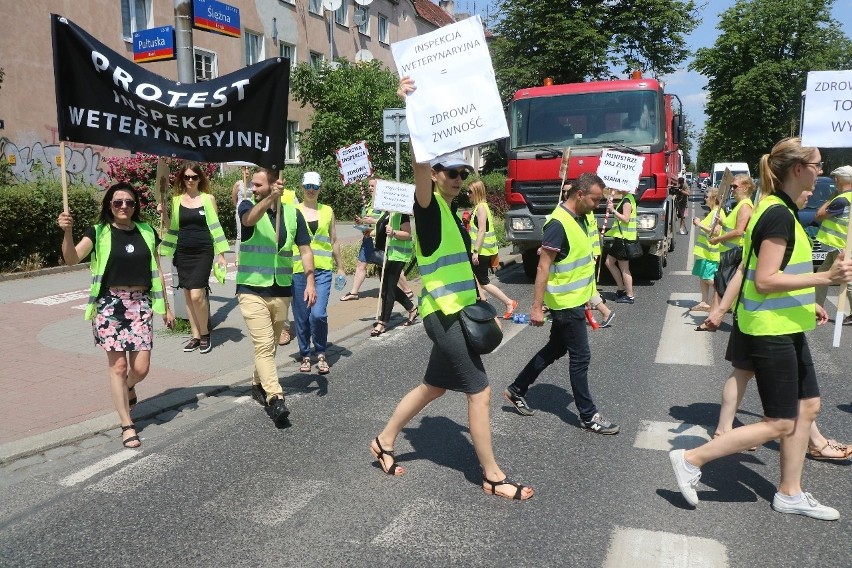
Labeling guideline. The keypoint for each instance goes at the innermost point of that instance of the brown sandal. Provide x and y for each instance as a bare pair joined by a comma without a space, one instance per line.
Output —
819,454
322,365
285,337
305,367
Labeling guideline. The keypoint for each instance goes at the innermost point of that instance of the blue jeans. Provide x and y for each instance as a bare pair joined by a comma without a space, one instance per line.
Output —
567,335
366,250
311,323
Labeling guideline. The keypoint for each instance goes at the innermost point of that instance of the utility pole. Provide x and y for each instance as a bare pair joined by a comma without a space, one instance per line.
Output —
183,41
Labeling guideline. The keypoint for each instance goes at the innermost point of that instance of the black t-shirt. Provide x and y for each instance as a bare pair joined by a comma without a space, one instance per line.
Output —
555,238
302,238
129,262
193,231
427,223
777,221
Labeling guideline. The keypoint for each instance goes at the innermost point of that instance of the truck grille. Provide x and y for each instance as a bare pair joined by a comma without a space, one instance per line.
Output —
541,197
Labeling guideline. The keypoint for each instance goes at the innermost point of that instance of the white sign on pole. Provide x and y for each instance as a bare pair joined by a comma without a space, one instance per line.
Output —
456,104
620,171
827,120
354,162
394,196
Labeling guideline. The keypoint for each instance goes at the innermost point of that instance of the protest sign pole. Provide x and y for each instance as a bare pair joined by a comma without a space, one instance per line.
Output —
603,230
161,191
841,296
382,277
278,211
396,119
563,167
64,176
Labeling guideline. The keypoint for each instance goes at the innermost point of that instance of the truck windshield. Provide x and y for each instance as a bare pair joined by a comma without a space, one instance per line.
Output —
631,117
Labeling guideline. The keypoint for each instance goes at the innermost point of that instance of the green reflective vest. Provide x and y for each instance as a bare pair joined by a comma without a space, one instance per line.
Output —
489,243
447,275
398,250
729,223
703,248
620,229
832,231
262,262
571,281
220,243
100,256
320,241
778,313
594,233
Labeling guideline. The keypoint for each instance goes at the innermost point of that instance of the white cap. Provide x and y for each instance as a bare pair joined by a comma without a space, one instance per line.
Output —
451,161
843,172
311,178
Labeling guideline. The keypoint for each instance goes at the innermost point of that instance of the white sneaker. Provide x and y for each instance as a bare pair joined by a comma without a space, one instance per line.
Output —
807,506
686,480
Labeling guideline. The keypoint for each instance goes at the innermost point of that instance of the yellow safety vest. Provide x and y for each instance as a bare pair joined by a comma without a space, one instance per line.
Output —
398,250
620,229
703,248
169,243
594,233
447,275
777,313
571,281
100,256
320,241
262,263
832,230
489,243
730,223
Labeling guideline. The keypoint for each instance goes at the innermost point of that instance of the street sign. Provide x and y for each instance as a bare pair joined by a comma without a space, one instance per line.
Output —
155,44
216,17
393,121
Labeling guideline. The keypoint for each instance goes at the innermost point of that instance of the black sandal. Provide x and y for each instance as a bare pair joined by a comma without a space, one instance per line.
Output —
391,469
131,438
412,317
349,296
132,400
376,331
519,488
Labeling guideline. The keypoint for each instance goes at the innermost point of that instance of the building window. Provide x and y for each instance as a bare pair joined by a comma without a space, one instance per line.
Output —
384,35
316,59
315,7
292,153
135,16
289,51
362,14
206,66
340,15
254,47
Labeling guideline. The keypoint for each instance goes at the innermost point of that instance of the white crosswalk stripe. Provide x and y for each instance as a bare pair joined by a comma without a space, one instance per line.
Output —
635,548
679,343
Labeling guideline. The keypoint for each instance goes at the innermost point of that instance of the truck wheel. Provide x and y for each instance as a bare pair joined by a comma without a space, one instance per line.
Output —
671,244
653,266
530,261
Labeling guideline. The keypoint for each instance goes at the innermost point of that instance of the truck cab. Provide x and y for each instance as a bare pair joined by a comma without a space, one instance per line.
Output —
633,116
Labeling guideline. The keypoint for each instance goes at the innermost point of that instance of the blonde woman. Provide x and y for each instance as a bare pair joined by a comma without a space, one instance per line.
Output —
194,236
707,255
484,245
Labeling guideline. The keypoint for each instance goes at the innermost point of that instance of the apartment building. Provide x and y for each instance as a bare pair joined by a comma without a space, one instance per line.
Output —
302,30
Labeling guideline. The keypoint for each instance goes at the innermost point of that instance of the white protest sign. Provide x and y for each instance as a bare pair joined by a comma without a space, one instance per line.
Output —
394,196
456,104
620,171
354,162
827,120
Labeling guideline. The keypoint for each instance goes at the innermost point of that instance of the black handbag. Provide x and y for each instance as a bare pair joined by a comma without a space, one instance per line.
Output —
729,261
378,256
480,327
634,249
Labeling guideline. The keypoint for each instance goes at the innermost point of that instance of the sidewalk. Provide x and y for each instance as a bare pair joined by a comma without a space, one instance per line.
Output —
54,380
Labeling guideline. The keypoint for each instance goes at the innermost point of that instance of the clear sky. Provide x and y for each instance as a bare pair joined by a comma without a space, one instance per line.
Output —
688,85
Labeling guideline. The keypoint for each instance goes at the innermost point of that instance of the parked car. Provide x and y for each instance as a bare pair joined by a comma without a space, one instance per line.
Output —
823,191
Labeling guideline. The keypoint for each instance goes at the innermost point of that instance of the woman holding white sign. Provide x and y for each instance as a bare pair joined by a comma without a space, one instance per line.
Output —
449,286
622,232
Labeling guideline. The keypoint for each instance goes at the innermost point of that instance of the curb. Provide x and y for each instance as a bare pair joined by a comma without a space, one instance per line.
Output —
344,338
43,272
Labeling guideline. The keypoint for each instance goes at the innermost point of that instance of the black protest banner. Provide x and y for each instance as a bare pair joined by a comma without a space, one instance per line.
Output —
104,99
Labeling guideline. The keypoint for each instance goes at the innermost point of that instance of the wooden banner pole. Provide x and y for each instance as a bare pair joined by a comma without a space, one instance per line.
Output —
64,176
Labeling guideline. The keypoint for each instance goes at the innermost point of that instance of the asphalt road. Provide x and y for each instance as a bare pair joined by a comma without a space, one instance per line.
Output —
219,485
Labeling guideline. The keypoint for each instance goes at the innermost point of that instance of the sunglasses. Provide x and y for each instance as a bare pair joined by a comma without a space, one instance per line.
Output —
117,203
453,174
734,186
191,178
311,186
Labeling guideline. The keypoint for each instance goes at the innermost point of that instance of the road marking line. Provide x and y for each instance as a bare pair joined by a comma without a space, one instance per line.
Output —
56,299
690,253
429,519
667,436
133,475
679,343
290,497
98,467
631,548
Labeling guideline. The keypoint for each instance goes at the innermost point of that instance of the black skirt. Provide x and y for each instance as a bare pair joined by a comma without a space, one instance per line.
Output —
193,266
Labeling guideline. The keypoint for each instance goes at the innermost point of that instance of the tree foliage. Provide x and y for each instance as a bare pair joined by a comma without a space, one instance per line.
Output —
756,72
576,40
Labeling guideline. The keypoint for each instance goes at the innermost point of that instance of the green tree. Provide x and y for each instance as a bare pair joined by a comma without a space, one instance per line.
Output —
757,70
577,40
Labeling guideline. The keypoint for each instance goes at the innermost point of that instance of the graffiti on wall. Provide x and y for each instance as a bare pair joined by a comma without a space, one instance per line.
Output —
29,163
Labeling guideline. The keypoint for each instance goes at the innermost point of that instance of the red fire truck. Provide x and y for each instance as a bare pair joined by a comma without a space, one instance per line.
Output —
634,116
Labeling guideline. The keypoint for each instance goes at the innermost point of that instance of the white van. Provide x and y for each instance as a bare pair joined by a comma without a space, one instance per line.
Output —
735,167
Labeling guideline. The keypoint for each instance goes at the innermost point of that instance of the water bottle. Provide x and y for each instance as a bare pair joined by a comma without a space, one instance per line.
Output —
521,318
340,282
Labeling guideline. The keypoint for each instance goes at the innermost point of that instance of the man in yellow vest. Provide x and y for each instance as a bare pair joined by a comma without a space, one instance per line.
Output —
264,281
834,220
565,281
